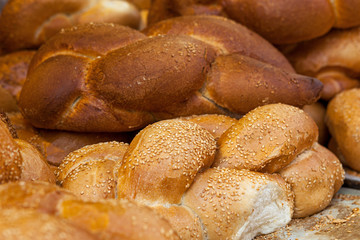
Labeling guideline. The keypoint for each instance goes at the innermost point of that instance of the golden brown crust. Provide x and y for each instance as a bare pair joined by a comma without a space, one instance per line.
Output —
225,35
89,172
163,160
179,70
10,157
84,40
266,139
343,119
28,224
226,201
315,176
117,219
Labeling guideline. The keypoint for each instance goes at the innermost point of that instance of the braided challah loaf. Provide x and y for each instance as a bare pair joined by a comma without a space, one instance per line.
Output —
280,22
117,79
264,171
28,23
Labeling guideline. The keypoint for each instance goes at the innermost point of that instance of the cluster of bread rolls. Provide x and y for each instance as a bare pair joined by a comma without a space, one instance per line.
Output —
264,169
224,149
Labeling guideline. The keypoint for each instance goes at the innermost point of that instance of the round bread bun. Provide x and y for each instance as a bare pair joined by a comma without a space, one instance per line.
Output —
266,139
89,171
27,224
163,160
117,219
343,120
315,176
239,204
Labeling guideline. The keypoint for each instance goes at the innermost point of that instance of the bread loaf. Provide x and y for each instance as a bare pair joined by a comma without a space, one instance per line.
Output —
279,22
77,84
28,24
333,59
342,118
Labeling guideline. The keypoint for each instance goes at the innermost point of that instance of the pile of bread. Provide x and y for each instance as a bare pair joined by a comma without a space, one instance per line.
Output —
174,119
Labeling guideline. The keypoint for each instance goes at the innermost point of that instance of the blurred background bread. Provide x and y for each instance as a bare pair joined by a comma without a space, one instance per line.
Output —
28,24
279,22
